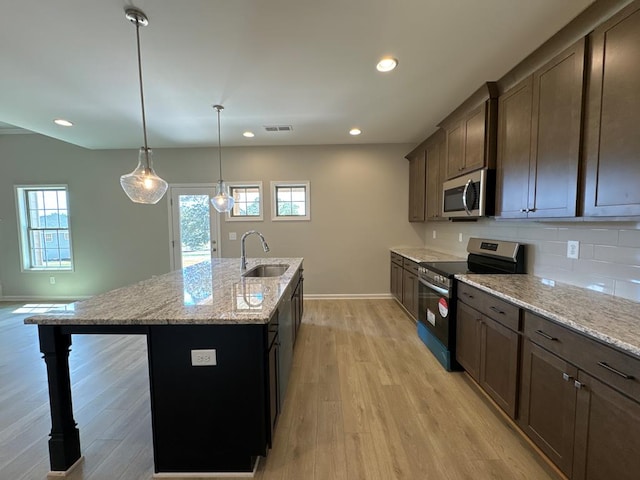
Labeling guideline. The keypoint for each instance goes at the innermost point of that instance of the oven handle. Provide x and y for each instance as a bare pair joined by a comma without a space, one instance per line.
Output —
440,290
464,197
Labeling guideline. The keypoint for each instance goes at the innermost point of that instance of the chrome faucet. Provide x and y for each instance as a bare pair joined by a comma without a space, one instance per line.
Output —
243,255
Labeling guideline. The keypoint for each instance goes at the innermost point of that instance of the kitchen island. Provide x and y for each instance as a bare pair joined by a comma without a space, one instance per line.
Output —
219,349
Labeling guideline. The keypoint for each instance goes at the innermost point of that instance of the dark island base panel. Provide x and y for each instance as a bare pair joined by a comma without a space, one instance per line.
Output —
204,419
208,418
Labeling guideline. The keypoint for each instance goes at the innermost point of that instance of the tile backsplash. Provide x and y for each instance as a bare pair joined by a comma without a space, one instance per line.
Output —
609,253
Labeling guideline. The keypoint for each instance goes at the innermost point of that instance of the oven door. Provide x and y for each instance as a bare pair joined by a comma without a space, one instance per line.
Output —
436,311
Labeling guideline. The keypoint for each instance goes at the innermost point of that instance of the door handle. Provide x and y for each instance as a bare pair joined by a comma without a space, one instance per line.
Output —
464,197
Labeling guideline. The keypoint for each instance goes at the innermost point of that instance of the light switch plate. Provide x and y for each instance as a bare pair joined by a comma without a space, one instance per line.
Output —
203,358
573,249
233,236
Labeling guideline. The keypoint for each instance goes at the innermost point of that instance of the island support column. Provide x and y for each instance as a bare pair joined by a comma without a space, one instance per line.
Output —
64,444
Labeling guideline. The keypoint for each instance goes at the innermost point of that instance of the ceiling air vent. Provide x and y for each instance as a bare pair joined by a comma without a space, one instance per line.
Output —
278,128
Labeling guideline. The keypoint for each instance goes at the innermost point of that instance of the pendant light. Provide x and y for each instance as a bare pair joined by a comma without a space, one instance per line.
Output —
142,185
222,202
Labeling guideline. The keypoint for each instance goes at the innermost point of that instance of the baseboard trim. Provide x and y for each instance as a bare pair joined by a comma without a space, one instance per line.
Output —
38,298
347,296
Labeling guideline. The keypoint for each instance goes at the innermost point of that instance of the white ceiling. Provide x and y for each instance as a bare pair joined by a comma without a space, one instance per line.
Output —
309,64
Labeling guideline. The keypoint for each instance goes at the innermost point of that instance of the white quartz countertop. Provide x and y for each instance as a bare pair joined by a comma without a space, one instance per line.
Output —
210,292
421,254
612,320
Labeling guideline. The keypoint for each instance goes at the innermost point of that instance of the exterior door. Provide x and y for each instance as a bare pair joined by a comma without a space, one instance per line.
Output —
194,223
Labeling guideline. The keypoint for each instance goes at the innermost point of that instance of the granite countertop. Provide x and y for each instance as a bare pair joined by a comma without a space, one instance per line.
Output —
421,254
612,320
210,292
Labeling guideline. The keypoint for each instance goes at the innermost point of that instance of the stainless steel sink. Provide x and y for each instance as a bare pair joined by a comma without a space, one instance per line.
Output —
266,271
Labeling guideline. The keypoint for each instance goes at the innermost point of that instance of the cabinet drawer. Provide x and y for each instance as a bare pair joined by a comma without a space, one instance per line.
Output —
396,258
499,310
471,296
410,265
613,367
555,338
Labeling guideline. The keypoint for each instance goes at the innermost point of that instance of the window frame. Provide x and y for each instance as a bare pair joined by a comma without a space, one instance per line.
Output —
274,201
247,218
25,229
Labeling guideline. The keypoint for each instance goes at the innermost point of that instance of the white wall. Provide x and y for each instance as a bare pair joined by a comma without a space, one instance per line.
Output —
609,258
358,210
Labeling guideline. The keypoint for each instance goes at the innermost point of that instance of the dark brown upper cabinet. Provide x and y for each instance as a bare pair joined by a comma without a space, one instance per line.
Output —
612,147
471,133
417,185
540,123
436,164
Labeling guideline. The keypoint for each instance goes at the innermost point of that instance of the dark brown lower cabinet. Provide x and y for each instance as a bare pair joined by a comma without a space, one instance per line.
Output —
607,434
499,364
488,351
396,280
410,292
468,339
548,403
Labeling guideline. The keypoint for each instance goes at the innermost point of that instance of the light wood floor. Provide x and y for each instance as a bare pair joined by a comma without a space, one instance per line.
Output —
366,401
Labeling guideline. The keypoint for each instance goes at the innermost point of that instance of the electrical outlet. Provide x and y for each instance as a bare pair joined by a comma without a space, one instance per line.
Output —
52,280
233,236
203,358
434,234
573,249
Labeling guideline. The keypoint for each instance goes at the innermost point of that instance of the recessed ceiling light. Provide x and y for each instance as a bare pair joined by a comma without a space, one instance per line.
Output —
387,64
62,122
355,131
249,134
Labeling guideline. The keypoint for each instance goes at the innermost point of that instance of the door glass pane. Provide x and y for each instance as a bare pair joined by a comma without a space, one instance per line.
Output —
195,231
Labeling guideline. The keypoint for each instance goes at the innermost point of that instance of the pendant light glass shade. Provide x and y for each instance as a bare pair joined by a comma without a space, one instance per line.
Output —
143,185
222,202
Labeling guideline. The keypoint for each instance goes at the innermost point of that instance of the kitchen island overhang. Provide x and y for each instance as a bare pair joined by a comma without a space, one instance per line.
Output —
205,418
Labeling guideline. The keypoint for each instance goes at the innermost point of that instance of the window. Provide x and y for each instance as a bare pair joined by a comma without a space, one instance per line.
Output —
43,221
247,198
290,201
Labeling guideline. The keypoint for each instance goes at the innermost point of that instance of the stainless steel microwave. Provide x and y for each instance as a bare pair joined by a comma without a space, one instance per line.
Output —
469,196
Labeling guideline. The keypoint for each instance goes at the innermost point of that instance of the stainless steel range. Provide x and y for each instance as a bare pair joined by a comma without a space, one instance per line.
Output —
437,291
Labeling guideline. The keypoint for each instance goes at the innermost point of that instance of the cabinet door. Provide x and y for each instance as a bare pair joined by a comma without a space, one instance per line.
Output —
612,118
474,139
410,292
555,136
514,150
417,187
607,433
455,149
274,403
435,162
548,403
499,364
396,281
468,339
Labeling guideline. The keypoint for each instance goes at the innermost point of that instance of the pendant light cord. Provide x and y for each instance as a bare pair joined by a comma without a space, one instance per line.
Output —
144,118
218,108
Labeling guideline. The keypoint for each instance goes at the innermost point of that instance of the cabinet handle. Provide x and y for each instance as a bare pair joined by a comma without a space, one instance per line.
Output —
497,310
523,210
566,377
467,295
617,372
578,384
546,335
